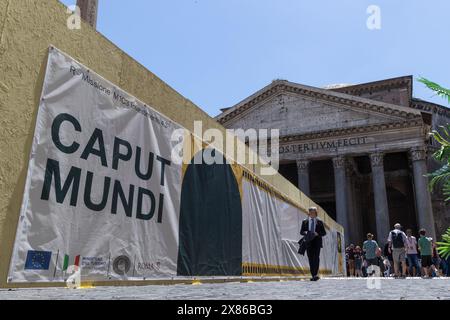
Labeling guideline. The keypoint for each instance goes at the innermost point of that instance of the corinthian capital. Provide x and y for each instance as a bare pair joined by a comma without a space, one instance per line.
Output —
350,167
339,162
302,164
376,159
418,153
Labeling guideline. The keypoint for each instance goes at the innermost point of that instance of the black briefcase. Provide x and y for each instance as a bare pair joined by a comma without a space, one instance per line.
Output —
302,246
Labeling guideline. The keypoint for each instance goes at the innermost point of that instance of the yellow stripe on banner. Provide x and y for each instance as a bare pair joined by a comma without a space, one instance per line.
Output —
256,269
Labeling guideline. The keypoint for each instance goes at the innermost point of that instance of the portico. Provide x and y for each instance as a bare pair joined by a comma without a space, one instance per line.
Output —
363,161
364,164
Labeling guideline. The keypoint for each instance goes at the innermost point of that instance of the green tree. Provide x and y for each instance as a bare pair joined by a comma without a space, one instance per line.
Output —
441,177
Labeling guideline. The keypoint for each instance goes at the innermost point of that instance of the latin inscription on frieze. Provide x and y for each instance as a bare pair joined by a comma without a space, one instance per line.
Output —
323,145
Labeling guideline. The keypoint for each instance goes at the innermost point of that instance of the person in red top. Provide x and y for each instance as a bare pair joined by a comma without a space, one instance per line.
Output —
351,259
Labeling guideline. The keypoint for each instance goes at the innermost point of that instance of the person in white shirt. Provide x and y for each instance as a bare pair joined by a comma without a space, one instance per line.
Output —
412,254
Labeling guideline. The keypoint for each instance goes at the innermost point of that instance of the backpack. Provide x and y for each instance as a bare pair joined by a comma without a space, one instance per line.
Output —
397,240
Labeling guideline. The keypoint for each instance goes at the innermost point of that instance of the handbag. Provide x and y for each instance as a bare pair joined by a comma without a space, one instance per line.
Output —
302,246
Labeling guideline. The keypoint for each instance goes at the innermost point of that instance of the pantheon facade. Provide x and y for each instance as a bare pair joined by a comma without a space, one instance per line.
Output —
360,151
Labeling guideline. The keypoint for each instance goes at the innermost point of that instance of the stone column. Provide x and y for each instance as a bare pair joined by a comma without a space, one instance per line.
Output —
358,210
340,190
380,198
424,209
303,176
355,222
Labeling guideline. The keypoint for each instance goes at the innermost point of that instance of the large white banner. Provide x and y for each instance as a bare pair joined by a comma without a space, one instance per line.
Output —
101,191
103,195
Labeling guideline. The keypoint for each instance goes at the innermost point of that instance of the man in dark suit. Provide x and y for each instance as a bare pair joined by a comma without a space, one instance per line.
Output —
313,230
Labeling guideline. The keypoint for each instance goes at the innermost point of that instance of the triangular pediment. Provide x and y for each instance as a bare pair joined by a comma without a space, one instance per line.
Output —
299,109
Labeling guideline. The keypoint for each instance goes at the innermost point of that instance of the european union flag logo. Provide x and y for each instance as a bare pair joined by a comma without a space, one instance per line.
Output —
38,260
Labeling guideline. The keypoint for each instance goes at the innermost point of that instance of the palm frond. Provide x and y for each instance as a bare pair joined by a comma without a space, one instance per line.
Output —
442,155
446,130
440,176
446,190
440,91
444,246
439,138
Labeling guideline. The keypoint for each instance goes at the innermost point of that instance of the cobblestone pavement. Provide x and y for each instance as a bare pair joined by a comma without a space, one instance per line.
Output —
328,288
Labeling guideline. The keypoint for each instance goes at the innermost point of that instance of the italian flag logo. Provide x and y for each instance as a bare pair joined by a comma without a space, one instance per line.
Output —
66,262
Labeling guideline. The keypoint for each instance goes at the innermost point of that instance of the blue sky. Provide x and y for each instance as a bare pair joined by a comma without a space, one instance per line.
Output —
218,52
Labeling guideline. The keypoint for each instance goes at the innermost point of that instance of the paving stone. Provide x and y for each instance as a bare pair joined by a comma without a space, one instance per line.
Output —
327,289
